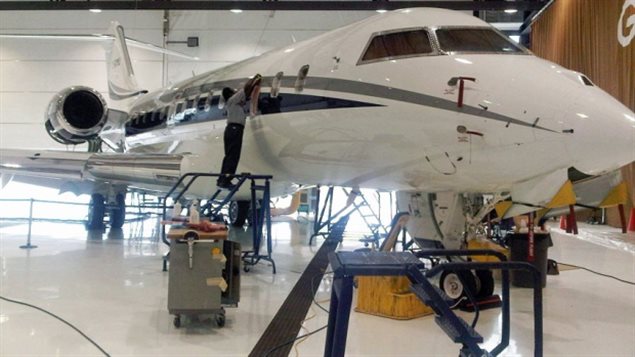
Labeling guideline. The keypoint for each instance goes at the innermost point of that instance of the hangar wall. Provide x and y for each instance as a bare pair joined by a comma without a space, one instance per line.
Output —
33,70
584,35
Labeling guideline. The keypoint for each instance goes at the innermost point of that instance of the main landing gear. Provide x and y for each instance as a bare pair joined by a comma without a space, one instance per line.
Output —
99,208
480,284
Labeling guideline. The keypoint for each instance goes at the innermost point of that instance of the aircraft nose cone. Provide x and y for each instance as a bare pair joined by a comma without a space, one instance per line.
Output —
604,133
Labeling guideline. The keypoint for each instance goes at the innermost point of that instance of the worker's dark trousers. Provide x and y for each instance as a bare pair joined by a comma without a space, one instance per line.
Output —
233,139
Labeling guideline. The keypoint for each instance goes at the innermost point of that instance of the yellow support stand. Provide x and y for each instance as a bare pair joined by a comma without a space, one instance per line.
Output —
389,296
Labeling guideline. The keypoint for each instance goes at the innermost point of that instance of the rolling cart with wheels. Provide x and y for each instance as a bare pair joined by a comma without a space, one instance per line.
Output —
203,275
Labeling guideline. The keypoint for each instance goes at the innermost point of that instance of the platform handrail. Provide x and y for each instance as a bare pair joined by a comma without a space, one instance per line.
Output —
505,267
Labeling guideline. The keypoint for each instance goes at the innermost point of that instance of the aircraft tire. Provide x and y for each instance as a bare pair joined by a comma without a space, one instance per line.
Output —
485,280
238,212
96,213
454,284
118,213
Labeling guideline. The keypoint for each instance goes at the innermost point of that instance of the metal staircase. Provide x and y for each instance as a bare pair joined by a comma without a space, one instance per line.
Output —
356,203
377,230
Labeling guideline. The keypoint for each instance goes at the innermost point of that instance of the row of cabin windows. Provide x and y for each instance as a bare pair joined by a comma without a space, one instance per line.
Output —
409,43
182,112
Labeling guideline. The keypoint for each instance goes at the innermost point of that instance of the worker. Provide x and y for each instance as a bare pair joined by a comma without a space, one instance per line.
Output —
235,102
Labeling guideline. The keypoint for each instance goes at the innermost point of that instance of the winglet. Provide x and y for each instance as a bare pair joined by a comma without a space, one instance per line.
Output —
122,83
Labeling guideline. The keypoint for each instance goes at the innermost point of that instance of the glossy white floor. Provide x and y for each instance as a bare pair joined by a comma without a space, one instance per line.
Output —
114,291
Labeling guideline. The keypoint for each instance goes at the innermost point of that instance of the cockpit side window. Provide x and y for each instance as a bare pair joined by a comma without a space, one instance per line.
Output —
386,46
475,40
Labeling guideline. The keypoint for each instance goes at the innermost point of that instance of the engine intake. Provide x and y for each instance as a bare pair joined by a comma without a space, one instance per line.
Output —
75,115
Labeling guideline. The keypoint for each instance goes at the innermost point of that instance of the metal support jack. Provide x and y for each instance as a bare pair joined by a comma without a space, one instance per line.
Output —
261,218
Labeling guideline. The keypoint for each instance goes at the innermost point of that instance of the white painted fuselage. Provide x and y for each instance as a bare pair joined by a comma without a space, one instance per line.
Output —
523,117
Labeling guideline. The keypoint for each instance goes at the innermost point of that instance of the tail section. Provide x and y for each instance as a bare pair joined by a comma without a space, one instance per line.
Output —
122,83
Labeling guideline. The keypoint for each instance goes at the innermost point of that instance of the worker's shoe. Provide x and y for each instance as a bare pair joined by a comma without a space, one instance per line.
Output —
225,182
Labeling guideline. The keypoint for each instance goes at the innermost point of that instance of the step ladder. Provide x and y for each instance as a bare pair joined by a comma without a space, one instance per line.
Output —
220,199
261,214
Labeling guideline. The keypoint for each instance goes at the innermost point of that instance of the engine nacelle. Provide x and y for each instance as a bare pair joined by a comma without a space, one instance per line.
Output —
75,115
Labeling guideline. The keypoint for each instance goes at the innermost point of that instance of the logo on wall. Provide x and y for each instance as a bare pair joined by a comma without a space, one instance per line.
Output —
626,39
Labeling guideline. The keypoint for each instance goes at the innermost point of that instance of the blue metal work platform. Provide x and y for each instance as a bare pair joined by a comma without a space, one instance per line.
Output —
347,265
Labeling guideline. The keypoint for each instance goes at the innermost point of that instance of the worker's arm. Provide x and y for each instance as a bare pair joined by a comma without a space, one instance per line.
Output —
236,98
255,95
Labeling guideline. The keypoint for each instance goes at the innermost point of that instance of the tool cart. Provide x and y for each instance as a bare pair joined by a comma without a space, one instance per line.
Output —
204,274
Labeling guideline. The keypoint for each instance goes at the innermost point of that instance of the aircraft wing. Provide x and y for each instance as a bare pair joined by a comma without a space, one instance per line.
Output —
155,172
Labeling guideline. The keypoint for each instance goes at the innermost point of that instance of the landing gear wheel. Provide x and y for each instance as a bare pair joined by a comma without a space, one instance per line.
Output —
238,211
454,284
96,213
485,282
118,213
177,321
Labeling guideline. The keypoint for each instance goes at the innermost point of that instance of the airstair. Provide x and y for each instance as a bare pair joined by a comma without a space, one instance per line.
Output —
371,219
259,187
357,203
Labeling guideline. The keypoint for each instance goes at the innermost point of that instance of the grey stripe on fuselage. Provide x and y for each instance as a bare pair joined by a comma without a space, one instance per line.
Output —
360,88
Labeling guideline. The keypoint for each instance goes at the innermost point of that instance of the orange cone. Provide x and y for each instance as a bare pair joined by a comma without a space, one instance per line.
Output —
631,221
563,223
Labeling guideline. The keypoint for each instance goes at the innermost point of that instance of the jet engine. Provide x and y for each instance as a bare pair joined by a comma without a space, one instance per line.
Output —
76,114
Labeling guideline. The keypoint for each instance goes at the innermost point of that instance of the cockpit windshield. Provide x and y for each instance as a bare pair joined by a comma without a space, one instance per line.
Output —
397,44
480,40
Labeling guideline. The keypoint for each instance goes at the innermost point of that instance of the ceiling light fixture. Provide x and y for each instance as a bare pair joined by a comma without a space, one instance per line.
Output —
96,11
381,11
236,11
511,11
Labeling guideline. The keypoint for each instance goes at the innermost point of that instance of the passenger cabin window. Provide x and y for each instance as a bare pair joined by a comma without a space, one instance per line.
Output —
397,44
481,40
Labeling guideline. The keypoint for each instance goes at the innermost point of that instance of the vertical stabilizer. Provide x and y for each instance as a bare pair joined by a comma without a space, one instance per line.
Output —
122,83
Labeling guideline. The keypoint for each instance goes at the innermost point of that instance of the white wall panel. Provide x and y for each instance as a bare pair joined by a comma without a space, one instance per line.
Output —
269,20
24,107
217,20
51,76
30,136
81,19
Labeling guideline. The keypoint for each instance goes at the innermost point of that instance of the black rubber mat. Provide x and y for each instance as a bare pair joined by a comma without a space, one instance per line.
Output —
286,325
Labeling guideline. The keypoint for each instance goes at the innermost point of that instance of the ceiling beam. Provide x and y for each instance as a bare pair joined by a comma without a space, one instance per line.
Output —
492,5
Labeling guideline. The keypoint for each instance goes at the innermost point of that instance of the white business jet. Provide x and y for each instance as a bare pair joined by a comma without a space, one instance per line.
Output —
416,100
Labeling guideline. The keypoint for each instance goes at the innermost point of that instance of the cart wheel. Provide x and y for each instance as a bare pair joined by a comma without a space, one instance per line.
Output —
220,320
177,321
246,269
